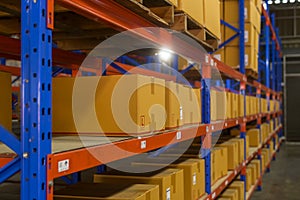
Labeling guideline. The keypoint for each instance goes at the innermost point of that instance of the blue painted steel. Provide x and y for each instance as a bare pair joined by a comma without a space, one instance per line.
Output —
228,84
36,135
58,71
267,59
73,179
188,68
3,61
130,60
206,85
242,35
10,169
273,54
16,79
230,26
228,40
160,151
175,65
101,169
10,140
117,67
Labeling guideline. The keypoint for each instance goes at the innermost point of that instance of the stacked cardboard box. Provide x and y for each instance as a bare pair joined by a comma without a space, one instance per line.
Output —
257,164
232,153
103,191
241,109
230,10
240,187
265,131
170,181
267,156
200,11
253,173
248,178
229,193
264,105
191,105
219,163
193,171
5,101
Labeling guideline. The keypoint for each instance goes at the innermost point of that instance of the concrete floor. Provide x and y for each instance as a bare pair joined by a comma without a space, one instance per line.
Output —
282,183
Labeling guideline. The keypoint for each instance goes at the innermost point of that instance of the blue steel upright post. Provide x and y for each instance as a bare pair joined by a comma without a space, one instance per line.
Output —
36,136
206,139
242,84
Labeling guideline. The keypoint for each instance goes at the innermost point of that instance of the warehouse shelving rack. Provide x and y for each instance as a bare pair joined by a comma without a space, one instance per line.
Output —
35,157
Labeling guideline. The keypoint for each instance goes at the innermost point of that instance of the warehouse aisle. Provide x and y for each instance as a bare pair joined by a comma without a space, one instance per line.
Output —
283,181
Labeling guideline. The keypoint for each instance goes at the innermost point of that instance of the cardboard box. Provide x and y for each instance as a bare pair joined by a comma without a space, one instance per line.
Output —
219,163
248,178
220,55
254,137
250,33
258,5
240,186
231,11
232,153
232,57
170,181
102,191
234,105
143,112
195,9
212,19
230,193
257,164
173,107
6,101
241,150
221,105
267,155
253,173
263,162
196,105
229,105
193,171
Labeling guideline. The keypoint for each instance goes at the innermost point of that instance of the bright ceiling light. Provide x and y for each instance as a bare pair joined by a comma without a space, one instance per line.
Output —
165,54
277,2
269,2
292,1
284,1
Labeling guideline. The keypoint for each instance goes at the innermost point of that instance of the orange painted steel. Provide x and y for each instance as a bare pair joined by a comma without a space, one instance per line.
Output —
15,71
229,71
85,158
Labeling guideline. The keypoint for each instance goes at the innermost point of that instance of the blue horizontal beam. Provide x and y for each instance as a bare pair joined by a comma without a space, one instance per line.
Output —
10,140
10,169
188,68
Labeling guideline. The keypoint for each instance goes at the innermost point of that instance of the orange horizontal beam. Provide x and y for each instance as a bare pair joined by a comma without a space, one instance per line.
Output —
229,71
82,159
15,71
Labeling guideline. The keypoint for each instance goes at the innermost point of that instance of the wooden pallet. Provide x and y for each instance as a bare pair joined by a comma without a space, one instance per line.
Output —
185,24
159,12
250,73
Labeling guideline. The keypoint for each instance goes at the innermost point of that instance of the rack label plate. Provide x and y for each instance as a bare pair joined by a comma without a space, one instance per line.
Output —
63,165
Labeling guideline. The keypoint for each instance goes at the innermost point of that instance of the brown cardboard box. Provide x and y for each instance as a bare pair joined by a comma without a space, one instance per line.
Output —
250,33
234,105
232,153
247,145
253,173
230,193
143,112
229,104
254,137
232,57
266,153
241,105
224,198
222,161
257,164
240,186
248,105
212,19
193,170
173,106
258,5
193,9
241,153
231,11
113,191
248,178
170,181
219,55
221,105
191,110
5,101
